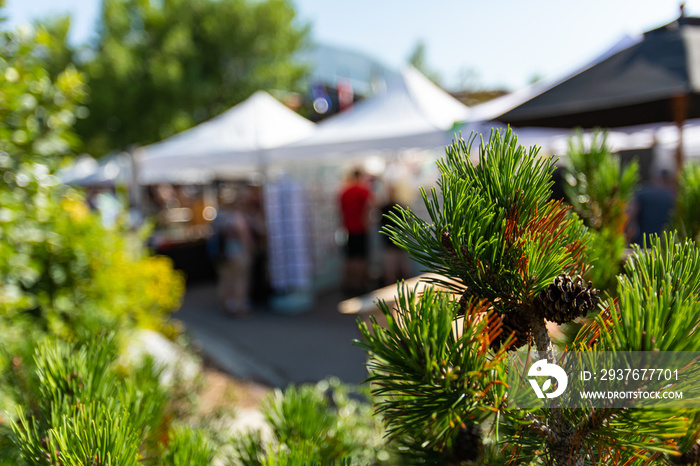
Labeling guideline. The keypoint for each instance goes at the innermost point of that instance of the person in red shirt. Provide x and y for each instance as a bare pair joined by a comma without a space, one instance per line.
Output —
355,204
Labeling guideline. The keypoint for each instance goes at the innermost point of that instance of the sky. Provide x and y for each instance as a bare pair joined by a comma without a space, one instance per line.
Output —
475,43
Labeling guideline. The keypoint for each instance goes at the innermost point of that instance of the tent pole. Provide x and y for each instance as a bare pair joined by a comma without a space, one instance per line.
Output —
679,104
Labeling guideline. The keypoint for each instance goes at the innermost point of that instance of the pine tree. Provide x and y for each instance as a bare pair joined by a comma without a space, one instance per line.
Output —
508,260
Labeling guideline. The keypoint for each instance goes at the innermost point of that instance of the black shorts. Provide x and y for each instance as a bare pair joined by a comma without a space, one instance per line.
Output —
357,245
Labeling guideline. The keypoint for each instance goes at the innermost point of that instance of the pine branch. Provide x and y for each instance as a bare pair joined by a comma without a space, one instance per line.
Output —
433,376
537,426
492,226
537,325
595,421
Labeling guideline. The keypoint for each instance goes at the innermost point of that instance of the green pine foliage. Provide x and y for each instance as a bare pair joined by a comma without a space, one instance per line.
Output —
504,255
187,446
492,226
597,186
421,363
600,189
248,448
658,305
301,415
324,424
605,253
300,457
686,216
656,310
76,408
81,406
90,433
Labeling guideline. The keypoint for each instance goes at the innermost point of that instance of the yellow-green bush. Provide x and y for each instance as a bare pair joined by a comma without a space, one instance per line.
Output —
75,277
125,281
61,271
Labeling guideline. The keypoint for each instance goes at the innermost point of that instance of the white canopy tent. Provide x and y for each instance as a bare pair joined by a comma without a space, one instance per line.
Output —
112,170
234,142
411,113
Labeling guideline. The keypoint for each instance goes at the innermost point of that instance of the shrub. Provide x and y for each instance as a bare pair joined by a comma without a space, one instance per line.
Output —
78,277
61,271
686,217
326,423
600,189
74,409
65,277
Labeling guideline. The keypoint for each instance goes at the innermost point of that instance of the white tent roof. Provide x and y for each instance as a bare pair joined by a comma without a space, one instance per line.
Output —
412,113
233,141
662,137
109,171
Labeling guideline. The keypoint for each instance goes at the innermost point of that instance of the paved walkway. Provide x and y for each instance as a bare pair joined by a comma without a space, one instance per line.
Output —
276,349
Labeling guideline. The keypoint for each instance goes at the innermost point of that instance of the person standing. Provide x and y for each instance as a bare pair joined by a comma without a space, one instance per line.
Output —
237,250
651,207
355,204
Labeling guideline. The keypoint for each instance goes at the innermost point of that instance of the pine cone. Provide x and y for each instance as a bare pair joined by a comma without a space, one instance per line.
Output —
446,241
566,299
512,322
468,445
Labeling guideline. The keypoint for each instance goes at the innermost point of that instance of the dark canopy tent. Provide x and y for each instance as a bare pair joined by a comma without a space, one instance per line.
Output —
655,80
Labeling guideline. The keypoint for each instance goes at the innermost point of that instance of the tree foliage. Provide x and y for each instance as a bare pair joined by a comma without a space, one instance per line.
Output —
419,59
53,46
160,67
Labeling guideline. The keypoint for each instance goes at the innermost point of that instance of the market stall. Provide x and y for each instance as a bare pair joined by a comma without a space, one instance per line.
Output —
184,171
395,136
